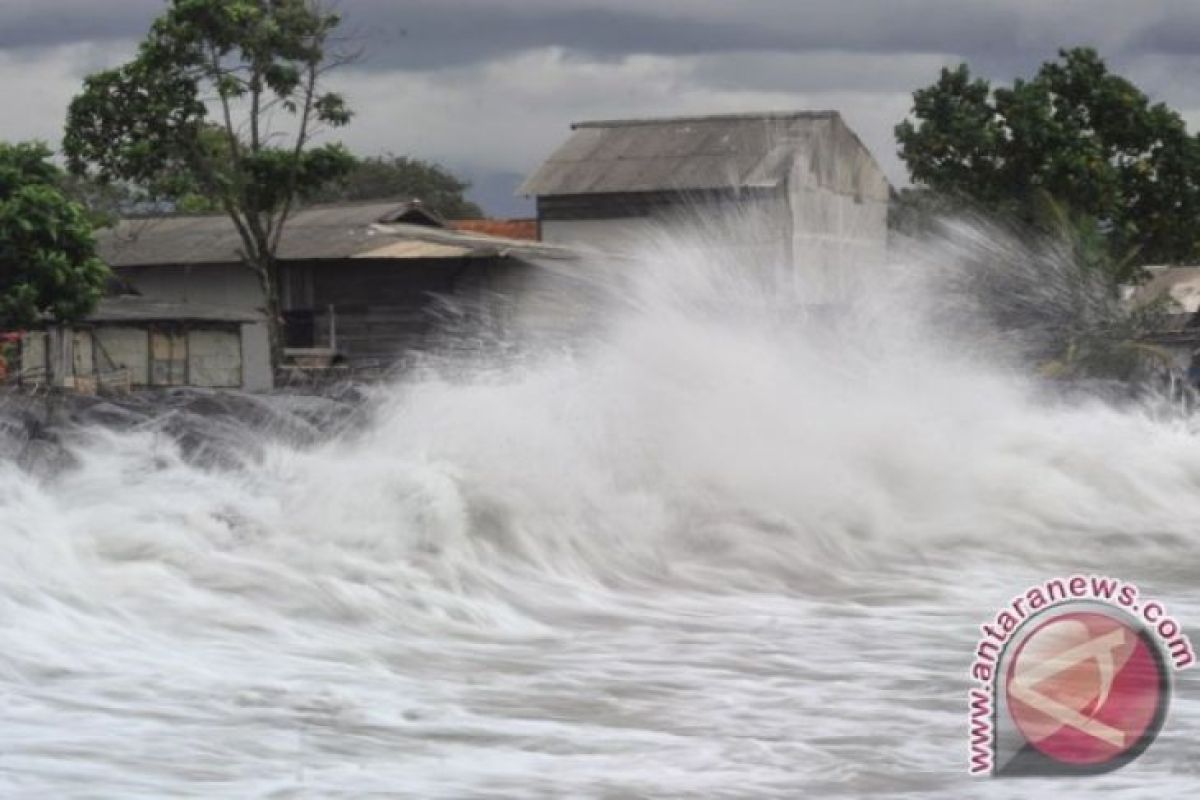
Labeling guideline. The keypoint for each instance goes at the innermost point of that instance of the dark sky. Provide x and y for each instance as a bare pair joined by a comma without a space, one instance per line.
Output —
489,86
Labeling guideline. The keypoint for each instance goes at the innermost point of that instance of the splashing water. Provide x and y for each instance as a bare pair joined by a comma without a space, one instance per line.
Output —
729,547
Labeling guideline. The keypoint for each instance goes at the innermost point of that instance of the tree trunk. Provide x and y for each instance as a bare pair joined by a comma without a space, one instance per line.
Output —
268,276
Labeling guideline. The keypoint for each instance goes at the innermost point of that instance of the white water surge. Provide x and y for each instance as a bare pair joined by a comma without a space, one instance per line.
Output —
721,551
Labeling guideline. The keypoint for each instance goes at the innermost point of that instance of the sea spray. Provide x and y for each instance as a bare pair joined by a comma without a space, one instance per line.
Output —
730,543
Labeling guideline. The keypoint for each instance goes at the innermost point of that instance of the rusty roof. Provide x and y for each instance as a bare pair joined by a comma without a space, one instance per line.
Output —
506,228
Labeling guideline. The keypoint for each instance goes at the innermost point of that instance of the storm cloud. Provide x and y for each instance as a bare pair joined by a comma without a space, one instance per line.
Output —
490,86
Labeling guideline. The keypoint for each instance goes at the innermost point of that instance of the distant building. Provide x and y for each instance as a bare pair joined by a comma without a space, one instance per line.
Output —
817,197
360,283
1179,335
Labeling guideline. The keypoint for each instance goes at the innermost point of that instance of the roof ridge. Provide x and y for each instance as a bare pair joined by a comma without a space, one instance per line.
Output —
392,204
749,116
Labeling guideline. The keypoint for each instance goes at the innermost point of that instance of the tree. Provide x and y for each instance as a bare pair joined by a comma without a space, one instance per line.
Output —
1088,138
48,263
249,62
402,178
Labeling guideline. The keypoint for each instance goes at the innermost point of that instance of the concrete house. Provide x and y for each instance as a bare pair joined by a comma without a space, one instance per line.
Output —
816,195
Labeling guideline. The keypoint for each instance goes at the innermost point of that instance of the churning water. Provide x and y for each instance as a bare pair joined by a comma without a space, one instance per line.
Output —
728,548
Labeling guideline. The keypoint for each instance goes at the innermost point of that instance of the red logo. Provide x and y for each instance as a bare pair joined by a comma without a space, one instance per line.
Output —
1086,688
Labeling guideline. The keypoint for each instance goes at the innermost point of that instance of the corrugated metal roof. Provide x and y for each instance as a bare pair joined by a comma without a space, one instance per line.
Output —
364,230
680,153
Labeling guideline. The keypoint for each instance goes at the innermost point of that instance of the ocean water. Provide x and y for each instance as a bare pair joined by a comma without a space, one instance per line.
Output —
728,547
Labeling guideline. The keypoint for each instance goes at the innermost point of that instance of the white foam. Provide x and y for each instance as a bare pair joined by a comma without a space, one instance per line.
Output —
720,550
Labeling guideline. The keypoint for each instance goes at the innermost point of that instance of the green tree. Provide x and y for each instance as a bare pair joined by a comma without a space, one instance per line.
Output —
191,117
48,264
402,178
1088,138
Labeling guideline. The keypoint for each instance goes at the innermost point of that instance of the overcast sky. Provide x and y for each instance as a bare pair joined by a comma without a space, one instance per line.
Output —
488,87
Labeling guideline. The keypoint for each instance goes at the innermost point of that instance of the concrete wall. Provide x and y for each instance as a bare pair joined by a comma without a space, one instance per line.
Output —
753,222
750,231
826,226
226,285
839,199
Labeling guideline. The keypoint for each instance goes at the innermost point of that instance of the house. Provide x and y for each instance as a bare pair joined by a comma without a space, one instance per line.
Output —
812,194
129,342
362,283
1179,336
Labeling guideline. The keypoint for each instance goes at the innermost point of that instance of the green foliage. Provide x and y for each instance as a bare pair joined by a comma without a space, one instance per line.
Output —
146,122
400,178
191,116
48,264
1088,138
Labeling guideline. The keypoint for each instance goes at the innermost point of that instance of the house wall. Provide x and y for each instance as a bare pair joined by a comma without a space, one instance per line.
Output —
148,354
257,374
214,358
226,285
553,301
755,223
34,357
383,308
824,227
60,356
838,198
231,286
120,347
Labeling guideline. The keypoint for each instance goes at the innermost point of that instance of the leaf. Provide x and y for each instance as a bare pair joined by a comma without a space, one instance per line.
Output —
1086,137
146,122
47,252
